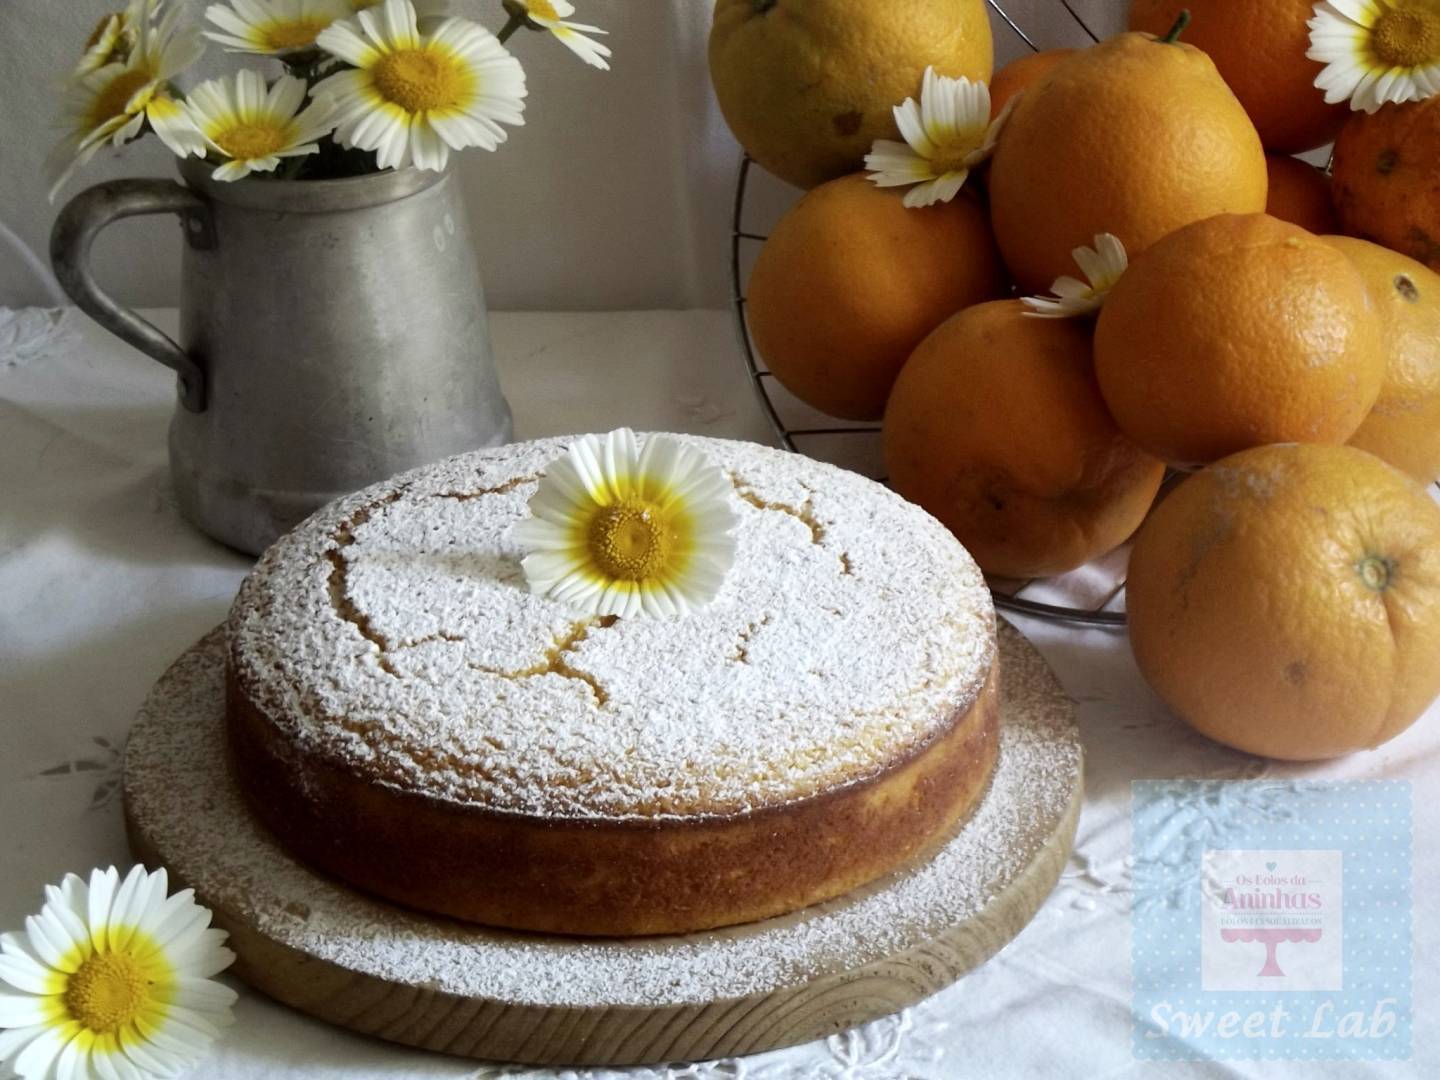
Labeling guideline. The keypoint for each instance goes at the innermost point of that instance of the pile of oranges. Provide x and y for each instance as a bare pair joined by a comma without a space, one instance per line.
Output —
1285,598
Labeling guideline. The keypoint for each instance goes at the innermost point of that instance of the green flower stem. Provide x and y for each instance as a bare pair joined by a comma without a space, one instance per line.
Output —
515,23
1179,28
519,16
306,65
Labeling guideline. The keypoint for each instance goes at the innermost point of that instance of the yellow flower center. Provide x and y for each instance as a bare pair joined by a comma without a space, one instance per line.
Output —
299,34
108,992
246,141
1408,36
542,8
420,79
631,541
950,157
101,29
111,101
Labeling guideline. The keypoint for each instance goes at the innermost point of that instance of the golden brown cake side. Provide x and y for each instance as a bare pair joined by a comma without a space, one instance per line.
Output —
601,877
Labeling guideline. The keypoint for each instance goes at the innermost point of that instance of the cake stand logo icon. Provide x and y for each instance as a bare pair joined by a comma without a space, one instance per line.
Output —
1272,920
1270,937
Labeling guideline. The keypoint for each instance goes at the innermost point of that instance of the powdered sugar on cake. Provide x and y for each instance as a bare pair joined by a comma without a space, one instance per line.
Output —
395,632
195,817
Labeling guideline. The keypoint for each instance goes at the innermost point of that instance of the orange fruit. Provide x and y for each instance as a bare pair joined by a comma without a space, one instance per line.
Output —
808,85
1404,425
1286,601
996,427
1299,194
1134,137
1259,47
851,280
1387,178
1021,73
1237,331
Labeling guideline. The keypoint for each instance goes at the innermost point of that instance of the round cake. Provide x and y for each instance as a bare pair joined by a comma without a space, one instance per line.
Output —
405,714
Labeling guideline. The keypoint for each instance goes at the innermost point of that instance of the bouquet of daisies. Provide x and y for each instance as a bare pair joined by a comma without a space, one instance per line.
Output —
366,84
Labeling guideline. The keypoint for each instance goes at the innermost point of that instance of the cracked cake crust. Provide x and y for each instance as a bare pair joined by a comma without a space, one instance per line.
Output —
388,669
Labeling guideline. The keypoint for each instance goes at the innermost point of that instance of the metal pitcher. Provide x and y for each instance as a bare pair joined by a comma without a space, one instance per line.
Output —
332,333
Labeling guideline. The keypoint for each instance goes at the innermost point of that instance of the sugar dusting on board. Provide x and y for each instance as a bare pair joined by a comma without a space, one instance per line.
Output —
394,633
178,785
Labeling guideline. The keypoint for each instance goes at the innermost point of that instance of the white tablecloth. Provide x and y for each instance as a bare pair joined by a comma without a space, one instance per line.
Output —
102,586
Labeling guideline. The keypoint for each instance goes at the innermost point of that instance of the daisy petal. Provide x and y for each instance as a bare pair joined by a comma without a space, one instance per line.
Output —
912,128
14,1040
38,1057
1102,266
591,52
23,1010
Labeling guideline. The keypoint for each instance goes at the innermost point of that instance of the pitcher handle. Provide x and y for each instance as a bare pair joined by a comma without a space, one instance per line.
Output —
75,230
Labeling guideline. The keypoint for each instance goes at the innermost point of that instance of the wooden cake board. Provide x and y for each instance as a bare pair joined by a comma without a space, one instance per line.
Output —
430,982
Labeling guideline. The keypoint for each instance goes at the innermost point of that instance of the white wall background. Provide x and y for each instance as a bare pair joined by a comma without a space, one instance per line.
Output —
615,194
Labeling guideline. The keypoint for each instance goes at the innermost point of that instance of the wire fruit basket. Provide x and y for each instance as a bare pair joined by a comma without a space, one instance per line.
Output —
1091,596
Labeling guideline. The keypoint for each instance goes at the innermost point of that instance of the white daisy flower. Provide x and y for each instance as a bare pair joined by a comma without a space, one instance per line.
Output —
1376,50
114,36
112,979
251,126
110,105
553,15
414,97
1102,266
272,27
947,133
618,529
105,46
